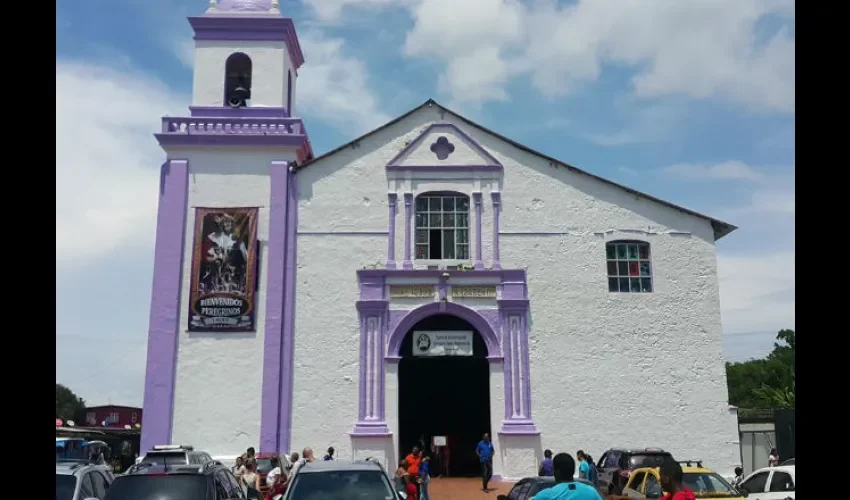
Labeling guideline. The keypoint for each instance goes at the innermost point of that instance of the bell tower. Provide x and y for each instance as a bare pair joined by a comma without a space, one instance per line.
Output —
246,56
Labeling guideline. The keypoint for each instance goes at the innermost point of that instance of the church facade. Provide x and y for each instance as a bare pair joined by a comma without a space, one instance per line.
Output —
431,278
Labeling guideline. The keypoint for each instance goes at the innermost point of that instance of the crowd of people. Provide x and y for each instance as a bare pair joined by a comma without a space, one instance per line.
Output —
278,477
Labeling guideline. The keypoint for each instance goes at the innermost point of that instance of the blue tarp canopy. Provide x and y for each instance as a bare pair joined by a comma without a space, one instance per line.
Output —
60,442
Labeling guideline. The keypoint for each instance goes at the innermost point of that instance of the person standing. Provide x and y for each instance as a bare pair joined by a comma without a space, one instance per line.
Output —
547,468
413,460
566,487
424,477
739,477
671,482
485,452
773,458
250,481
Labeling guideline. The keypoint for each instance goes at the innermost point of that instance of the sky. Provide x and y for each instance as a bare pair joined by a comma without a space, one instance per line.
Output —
692,102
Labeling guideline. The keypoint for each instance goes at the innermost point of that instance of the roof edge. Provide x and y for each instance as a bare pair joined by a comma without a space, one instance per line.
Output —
719,227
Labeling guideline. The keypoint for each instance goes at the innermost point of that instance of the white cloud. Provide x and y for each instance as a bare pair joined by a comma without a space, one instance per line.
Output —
106,160
727,170
757,291
334,88
701,49
331,10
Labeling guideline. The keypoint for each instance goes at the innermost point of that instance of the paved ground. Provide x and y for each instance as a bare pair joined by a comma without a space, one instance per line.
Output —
462,488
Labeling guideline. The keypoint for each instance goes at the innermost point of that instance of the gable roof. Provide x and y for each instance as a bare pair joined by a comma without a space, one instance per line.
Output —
721,228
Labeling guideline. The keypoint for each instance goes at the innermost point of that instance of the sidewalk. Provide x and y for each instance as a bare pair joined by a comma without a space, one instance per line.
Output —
464,488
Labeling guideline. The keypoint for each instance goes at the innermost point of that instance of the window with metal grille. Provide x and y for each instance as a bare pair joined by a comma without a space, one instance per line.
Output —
629,267
442,226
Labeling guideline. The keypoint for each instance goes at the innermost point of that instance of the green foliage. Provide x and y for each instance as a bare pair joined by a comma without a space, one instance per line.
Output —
765,383
68,404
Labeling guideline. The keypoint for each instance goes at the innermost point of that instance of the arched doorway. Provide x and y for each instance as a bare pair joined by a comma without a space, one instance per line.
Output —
444,394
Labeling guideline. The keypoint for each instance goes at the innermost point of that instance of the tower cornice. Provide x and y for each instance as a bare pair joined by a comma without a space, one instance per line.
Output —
250,27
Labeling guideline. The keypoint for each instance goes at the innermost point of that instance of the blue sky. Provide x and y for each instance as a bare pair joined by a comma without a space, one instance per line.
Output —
692,102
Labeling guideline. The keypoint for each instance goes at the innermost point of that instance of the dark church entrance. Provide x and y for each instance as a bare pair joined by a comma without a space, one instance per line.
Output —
444,395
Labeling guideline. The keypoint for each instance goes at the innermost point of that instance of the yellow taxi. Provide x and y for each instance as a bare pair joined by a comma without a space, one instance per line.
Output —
705,483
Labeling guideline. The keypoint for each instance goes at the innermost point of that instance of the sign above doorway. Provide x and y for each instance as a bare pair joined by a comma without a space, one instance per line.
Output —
442,343
473,292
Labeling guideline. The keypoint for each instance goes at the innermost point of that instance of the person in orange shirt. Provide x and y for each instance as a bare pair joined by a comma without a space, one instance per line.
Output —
413,460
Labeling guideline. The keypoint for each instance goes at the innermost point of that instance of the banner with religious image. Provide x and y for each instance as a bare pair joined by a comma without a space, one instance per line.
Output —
224,270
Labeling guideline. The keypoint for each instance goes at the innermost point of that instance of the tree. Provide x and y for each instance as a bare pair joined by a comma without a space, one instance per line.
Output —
765,383
68,404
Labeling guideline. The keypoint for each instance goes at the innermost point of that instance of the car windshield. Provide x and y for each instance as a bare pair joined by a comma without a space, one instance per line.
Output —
65,485
264,465
708,485
341,485
641,460
165,459
147,487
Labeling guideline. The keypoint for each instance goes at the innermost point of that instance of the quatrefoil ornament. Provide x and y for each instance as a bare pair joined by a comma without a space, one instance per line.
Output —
442,148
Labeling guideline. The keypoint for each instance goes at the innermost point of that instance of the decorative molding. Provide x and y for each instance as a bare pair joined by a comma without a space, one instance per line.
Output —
233,131
160,372
479,263
504,331
442,148
246,112
371,411
490,163
497,209
278,346
392,201
408,222
249,27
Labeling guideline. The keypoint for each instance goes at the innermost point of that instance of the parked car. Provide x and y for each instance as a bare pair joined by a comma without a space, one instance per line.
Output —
210,481
342,480
76,480
704,482
770,483
616,465
175,454
264,466
526,488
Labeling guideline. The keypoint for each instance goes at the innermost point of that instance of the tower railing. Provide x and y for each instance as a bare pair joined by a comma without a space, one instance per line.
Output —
232,126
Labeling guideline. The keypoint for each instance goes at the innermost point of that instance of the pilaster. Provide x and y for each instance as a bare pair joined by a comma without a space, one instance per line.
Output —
476,198
371,413
408,222
392,201
518,421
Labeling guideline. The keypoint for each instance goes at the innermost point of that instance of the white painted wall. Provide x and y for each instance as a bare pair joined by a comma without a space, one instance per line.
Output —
217,397
602,365
270,62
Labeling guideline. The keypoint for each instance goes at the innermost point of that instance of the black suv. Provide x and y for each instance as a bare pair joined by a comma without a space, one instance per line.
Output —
210,481
617,463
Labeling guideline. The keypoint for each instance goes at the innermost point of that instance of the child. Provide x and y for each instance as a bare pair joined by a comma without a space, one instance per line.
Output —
410,489
424,477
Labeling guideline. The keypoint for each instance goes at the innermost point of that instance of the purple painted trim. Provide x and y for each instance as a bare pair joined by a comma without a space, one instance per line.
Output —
288,370
392,199
479,264
514,314
163,332
275,277
408,221
289,91
444,168
228,112
512,277
497,209
492,162
371,413
232,131
487,331
261,27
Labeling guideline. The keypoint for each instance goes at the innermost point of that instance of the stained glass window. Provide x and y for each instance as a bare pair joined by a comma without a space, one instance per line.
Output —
442,227
629,267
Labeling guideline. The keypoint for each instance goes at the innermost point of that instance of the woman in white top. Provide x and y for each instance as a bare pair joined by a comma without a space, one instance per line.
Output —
251,480
773,458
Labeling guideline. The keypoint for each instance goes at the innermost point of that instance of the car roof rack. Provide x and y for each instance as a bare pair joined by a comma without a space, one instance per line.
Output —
173,447
690,463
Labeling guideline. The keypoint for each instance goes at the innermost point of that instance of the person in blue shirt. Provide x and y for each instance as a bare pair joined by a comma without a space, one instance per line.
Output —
583,466
566,487
424,478
546,467
485,452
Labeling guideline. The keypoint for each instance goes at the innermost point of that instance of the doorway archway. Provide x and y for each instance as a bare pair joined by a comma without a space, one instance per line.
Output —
444,394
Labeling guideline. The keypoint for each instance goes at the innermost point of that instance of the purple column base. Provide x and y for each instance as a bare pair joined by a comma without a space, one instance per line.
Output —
371,429
519,428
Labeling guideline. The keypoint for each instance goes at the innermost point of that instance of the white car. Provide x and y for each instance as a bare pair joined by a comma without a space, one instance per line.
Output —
770,483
